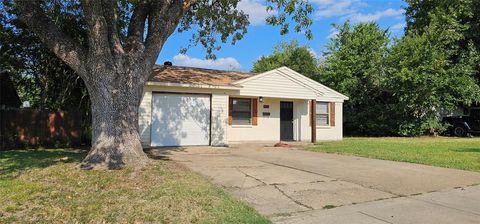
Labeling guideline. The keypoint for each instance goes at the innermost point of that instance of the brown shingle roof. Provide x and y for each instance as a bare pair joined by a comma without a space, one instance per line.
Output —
198,76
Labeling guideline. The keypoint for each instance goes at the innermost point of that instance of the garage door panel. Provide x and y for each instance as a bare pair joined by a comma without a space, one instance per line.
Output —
180,119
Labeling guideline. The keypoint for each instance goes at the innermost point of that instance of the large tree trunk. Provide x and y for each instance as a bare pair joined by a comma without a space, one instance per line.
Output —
115,138
113,71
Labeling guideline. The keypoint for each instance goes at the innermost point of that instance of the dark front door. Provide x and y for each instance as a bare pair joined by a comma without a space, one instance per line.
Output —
286,121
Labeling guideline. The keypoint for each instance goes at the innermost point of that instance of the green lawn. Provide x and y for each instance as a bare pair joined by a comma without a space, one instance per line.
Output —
48,187
459,153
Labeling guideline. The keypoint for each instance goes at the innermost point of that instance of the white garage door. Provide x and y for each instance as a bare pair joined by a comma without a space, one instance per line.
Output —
180,119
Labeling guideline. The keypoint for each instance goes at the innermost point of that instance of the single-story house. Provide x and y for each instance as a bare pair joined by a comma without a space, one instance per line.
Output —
195,106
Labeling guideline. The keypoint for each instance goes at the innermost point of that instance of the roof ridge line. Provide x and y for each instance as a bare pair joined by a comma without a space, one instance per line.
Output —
200,68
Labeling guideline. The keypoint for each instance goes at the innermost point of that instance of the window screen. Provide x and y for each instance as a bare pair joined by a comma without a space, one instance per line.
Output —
323,113
241,111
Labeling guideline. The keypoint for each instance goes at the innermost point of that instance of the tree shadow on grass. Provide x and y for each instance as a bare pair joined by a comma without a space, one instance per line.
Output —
161,153
15,161
467,150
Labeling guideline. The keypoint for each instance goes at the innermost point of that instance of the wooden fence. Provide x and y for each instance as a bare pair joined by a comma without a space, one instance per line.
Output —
20,128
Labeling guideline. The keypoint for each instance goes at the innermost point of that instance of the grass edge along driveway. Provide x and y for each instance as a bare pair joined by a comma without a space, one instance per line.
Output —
449,152
47,186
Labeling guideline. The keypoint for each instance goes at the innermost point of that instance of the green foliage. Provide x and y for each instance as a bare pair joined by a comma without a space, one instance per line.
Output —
355,66
40,77
424,79
400,88
292,55
46,81
459,19
211,21
434,66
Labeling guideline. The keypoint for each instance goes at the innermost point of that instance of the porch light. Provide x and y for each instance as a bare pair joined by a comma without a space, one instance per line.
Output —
260,99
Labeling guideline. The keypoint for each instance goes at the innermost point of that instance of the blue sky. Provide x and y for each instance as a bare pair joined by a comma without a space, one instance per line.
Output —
261,39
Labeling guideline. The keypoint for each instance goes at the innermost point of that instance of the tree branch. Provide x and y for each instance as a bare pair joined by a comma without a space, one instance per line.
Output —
136,28
110,12
103,39
163,18
61,44
97,31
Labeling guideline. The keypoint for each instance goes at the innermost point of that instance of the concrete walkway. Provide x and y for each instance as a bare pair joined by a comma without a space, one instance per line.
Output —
294,186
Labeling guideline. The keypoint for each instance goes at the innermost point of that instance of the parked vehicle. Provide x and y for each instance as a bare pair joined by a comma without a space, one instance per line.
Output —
464,125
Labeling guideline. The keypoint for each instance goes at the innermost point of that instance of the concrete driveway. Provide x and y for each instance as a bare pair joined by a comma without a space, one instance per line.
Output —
294,186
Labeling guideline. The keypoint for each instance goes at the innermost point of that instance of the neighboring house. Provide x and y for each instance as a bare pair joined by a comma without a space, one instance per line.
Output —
8,93
194,106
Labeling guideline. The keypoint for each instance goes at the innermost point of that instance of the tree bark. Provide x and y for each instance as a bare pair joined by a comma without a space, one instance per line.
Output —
115,137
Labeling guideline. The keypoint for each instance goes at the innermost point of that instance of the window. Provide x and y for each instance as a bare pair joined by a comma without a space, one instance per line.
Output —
323,114
241,111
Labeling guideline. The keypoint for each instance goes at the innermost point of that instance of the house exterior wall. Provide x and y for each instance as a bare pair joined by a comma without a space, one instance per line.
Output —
219,110
268,127
219,133
303,128
335,132
145,118
276,85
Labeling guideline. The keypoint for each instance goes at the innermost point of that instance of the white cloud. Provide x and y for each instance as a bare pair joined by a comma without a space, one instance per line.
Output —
227,63
350,9
333,33
329,8
312,52
323,2
371,17
397,27
257,12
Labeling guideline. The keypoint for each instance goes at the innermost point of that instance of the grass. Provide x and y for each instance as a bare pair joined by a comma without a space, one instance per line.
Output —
47,187
458,153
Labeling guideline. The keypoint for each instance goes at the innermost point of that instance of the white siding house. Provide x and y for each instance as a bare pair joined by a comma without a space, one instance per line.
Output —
276,105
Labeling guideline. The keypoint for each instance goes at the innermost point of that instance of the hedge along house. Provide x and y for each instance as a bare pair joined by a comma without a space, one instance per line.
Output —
191,106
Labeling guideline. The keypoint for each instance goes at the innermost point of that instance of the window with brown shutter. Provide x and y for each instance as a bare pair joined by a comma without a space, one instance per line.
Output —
241,111
325,114
322,112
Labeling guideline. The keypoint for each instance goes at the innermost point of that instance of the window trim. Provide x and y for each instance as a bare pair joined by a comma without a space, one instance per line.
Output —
329,112
251,112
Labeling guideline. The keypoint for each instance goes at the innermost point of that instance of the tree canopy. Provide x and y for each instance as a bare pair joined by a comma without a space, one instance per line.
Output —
355,66
42,79
292,55
458,19
397,86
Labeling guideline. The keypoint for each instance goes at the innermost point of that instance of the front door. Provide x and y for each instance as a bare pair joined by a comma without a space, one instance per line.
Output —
286,121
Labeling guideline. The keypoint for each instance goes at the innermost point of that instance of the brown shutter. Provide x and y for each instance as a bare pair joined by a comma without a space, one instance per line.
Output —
313,120
332,114
310,109
254,111
230,111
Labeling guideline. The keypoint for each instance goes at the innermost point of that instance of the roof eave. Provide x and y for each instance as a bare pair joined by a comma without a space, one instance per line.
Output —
186,85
